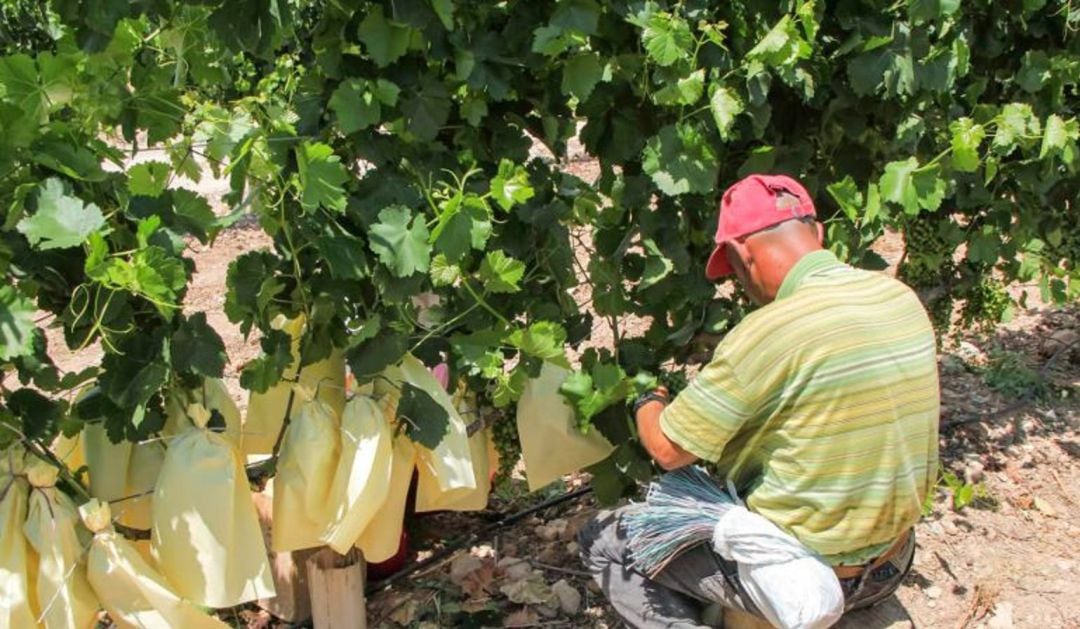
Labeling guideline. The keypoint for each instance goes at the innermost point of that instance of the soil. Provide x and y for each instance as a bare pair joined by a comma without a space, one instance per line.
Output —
1010,558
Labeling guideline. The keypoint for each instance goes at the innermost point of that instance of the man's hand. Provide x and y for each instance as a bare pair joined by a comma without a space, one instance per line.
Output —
667,453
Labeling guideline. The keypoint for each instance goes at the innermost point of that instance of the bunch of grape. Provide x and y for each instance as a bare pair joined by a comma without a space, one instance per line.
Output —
986,303
928,264
504,433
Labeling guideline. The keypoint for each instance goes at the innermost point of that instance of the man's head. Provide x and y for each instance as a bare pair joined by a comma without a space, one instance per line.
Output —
766,225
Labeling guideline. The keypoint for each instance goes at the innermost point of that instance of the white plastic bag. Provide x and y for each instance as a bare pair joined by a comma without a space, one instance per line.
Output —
791,586
18,561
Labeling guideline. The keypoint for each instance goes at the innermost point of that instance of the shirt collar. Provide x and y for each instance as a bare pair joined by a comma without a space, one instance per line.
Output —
807,265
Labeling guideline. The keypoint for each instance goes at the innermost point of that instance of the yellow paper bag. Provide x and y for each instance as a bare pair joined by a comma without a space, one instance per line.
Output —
206,537
135,595
266,411
18,599
124,472
446,472
214,396
429,496
362,478
382,536
305,472
69,450
52,528
551,443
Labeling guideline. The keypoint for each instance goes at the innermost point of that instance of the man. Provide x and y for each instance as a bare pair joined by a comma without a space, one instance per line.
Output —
821,407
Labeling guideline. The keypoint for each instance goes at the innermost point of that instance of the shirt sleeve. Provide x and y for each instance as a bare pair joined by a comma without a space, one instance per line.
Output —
707,414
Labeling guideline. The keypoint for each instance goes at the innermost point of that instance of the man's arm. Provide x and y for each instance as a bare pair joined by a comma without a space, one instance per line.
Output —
668,454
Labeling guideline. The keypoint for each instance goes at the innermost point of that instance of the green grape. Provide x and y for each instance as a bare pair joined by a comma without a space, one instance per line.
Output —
986,304
504,433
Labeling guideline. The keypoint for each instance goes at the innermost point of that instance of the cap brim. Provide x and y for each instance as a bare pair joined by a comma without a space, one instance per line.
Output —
718,265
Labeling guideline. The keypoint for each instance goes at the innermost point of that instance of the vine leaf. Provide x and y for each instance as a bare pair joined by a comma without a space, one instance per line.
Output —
544,340
265,371
424,420
197,348
16,324
511,185
912,187
385,41
149,179
1059,138
725,106
967,135
61,220
580,75
402,246
1016,126
501,273
680,160
321,177
667,38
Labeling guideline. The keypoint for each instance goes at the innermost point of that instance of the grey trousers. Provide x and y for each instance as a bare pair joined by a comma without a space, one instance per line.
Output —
699,577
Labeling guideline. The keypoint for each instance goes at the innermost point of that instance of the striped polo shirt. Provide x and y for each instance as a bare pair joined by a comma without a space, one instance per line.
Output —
822,408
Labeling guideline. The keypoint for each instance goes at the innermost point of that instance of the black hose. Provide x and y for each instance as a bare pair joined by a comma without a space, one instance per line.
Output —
472,537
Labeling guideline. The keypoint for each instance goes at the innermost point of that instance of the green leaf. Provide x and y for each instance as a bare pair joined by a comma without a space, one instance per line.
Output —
657,265
321,177
130,378
686,90
580,74
679,160
61,220
501,273
667,38
355,106
1016,126
510,186
967,135
425,421
1035,71
443,273
1059,138
543,339
984,245
149,178
267,370
445,10
368,359
16,324
912,187
402,246
193,214
847,195
197,348
781,47
344,254
889,68
385,41
428,110
725,106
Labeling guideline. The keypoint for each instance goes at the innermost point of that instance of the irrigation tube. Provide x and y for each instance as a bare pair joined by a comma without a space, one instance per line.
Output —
472,537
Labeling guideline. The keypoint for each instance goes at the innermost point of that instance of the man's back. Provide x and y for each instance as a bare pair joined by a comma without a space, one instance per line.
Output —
823,405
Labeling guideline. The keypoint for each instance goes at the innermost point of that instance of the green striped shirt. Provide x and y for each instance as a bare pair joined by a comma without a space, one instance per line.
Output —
822,407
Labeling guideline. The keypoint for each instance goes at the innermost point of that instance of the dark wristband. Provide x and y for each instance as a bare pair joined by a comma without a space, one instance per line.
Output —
648,396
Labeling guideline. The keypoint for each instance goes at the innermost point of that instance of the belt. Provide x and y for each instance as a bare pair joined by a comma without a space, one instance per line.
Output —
850,572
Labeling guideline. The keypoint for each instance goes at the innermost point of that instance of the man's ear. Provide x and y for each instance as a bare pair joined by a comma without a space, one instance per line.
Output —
820,233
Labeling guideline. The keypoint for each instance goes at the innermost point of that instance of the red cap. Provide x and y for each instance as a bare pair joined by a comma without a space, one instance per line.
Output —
751,205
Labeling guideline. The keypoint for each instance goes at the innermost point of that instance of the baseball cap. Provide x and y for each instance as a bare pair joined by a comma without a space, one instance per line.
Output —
752,204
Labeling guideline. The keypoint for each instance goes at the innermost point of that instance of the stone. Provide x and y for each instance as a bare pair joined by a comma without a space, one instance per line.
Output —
933,592
513,568
1001,617
569,597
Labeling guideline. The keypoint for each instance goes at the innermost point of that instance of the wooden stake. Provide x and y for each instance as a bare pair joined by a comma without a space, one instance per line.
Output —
292,603
336,585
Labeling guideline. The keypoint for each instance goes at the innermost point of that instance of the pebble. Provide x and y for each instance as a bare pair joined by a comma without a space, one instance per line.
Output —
974,472
933,592
569,597
572,549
